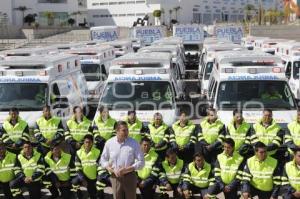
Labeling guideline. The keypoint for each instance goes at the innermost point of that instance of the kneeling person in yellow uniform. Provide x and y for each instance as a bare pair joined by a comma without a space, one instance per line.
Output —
59,170
86,163
261,175
148,175
170,174
158,132
33,169
9,170
210,136
240,131
228,171
198,178
183,137
291,177
268,132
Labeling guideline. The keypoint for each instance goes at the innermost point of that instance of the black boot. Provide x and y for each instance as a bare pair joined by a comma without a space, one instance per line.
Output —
100,195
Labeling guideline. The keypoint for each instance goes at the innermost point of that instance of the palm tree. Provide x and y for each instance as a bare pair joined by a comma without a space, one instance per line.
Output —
176,12
50,18
249,8
162,11
260,12
157,15
22,9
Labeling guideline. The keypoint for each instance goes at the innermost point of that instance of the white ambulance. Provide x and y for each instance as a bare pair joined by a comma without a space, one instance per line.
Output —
121,47
25,52
251,81
211,42
64,47
290,55
137,43
170,41
145,82
283,49
29,83
95,62
249,41
193,37
177,56
268,45
206,68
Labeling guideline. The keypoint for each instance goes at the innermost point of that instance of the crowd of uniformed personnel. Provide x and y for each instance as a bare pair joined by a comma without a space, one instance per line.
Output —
238,159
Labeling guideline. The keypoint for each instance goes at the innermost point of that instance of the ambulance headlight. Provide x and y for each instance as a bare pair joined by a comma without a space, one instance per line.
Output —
162,71
276,70
43,73
138,72
19,73
116,71
252,70
229,70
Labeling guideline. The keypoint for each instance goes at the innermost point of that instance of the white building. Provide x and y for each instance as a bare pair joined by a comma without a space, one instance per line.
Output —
125,12
49,12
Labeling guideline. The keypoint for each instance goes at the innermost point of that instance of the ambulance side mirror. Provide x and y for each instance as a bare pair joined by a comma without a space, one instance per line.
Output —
298,102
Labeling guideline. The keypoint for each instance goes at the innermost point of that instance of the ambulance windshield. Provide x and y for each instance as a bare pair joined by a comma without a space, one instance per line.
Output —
92,72
208,69
24,96
255,94
140,95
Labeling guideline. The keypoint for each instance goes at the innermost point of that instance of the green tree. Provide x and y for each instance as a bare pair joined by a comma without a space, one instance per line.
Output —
71,21
249,8
50,18
157,15
29,19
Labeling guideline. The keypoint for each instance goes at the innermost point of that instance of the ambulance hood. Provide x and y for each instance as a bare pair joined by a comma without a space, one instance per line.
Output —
169,116
29,116
92,85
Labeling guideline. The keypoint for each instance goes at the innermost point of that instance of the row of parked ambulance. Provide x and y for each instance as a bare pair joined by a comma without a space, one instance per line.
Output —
93,73
260,73
151,79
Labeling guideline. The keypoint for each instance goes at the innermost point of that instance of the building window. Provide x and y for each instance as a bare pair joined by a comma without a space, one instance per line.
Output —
140,2
197,18
95,4
103,4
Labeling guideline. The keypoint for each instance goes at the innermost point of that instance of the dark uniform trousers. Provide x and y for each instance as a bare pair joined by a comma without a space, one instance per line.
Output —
34,188
91,186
